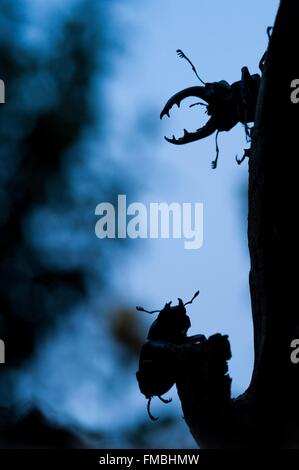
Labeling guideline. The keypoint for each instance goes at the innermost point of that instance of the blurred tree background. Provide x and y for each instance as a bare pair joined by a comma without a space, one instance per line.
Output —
55,167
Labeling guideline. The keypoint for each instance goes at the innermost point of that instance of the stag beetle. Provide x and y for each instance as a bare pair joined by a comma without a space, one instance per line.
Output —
158,357
226,104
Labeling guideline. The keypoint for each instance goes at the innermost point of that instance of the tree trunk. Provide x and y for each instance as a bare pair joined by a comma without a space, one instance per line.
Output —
267,415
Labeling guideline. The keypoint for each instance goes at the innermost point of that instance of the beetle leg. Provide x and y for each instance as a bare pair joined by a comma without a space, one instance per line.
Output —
246,154
264,57
149,410
195,338
263,61
214,162
164,400
247,85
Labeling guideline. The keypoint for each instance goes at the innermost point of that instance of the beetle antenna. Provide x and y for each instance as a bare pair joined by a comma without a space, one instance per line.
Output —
181,54
149,410
194,297
141,309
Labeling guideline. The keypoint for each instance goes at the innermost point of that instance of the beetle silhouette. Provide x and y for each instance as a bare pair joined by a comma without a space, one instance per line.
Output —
226,104
158,358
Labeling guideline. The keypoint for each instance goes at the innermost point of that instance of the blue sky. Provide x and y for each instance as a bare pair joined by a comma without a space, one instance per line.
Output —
220,38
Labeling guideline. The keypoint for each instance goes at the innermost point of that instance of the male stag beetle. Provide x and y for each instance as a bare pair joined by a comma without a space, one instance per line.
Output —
158,358
226,104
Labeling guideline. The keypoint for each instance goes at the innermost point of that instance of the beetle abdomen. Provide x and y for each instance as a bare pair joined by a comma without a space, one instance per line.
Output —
157,371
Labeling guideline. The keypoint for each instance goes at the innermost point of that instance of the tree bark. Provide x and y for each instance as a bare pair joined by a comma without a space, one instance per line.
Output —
267,414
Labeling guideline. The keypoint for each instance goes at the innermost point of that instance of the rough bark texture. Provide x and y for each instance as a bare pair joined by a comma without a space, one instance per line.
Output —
267,414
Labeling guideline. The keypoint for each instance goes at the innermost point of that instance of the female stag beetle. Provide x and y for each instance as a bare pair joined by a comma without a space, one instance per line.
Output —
158,358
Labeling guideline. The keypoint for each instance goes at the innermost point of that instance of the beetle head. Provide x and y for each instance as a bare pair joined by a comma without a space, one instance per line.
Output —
219,99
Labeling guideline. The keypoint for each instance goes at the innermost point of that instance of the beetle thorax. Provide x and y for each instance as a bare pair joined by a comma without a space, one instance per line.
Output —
171,324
